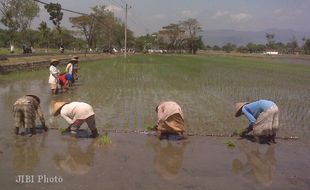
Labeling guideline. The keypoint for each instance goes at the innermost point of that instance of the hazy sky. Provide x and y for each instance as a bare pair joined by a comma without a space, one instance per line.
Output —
147,16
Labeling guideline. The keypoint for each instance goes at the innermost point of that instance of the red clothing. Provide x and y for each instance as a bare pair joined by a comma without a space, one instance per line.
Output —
63,81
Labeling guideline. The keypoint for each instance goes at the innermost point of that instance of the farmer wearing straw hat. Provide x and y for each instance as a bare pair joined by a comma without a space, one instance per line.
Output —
170,119
54,74
76,113
75,62
263,116
69,70
25,110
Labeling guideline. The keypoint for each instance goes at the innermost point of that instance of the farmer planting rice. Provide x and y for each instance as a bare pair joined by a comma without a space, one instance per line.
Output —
69,70
263,116
54,74
64,81
170,120
75,62
76,113
25,110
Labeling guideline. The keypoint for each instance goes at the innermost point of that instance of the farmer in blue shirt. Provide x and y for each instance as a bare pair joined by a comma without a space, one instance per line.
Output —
263,116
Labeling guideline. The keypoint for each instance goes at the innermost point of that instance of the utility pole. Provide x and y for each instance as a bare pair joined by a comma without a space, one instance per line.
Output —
126,11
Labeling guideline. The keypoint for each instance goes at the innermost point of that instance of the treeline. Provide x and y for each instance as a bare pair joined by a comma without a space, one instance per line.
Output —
98,30
101,30
292,47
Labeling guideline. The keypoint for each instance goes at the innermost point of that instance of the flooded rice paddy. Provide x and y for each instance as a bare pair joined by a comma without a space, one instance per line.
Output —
124,95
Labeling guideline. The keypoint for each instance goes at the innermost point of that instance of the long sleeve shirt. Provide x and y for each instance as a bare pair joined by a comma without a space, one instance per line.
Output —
75,111
54,73
167,109
252,110
35,104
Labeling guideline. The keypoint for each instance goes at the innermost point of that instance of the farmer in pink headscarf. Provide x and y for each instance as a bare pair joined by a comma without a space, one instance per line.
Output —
170,119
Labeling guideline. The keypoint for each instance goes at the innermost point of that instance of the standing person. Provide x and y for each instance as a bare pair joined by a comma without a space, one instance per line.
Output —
54,74
63,81
25,110
69,70
76,113
263,116
76,67
170,119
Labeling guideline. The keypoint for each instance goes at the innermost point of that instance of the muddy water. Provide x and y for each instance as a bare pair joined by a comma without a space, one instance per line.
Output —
124,96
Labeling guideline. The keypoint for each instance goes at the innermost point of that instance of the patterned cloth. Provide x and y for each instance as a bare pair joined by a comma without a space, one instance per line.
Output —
170,118
173,124
267,123
25,110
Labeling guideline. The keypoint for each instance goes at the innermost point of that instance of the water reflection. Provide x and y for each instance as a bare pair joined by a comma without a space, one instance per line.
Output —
260,164
168,157
27,152
75,161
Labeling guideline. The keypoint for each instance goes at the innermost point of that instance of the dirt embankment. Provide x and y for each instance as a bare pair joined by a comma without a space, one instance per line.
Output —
38,62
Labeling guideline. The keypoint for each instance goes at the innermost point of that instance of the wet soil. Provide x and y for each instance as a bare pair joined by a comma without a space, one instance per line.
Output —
143,162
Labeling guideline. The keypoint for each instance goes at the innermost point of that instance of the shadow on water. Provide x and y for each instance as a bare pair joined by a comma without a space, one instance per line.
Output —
75,160
27,152
168,158
259,166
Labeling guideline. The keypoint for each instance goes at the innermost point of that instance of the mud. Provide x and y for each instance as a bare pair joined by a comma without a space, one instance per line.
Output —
124,96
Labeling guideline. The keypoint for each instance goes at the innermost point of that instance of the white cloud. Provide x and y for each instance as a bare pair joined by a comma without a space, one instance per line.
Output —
189,13
219,14
114,8
240,17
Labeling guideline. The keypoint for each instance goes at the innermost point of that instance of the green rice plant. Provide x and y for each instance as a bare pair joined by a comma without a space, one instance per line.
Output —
230,144
148,127
62,130
104,140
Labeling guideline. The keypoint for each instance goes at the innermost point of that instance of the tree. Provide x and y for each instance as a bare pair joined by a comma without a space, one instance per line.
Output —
86,24
229,47
44,34
270,40
192,28
306,46
174,35
292,46
18,15
54,10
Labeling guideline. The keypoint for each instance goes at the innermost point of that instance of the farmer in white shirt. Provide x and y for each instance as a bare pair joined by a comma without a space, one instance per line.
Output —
76,113
54,74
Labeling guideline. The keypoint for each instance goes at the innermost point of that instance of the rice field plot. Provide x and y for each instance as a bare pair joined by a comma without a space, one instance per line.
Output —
127,92
124,93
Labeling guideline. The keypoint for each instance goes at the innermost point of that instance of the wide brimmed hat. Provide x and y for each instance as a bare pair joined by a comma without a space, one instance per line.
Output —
76,57
54,61
57,106
238,107
35,97
73,60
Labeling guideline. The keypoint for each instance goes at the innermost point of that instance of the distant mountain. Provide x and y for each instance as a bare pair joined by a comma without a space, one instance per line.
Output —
222,37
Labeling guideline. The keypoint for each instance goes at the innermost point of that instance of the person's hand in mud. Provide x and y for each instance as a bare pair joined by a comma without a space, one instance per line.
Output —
245,132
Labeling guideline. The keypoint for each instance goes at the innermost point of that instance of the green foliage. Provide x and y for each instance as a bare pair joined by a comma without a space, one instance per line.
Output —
17,15
54,10
306,46
229,47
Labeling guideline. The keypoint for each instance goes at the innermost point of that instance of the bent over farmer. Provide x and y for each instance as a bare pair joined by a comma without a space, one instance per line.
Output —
170,119
25,110
263,116
76,113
